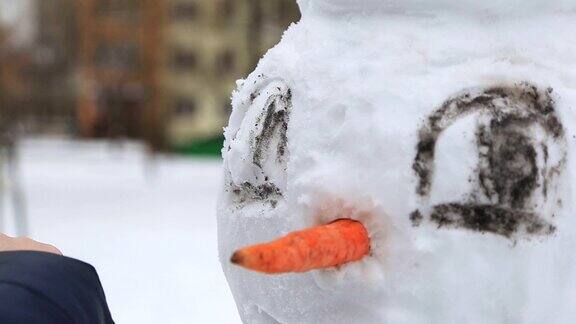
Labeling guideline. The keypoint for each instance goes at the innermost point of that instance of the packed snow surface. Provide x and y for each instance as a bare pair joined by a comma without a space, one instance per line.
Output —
447,127
147,227
474,7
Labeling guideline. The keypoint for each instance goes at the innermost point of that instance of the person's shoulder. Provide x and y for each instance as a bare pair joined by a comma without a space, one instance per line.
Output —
13,258
53,284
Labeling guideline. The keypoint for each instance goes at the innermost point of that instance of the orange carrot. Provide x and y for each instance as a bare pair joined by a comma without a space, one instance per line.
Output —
325,246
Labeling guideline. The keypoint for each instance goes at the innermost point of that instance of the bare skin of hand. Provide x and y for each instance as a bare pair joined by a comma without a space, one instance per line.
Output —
8,243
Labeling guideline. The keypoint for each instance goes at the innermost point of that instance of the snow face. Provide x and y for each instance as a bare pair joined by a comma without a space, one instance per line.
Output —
450,136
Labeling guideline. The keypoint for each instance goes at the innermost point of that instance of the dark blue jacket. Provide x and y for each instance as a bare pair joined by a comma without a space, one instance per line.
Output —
45,288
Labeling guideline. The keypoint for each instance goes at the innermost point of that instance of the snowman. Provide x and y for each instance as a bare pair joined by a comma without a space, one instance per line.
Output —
406,161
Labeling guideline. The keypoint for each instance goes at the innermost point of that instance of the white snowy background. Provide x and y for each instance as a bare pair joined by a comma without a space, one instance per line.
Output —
148,227
17,17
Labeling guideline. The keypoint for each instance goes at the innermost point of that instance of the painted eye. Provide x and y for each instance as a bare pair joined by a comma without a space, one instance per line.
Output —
257,155
521,156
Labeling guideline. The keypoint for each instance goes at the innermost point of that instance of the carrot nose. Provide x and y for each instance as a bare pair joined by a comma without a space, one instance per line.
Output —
319,247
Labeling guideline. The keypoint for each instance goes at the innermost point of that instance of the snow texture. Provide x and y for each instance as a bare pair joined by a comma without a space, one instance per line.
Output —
407,7
147,226
447,127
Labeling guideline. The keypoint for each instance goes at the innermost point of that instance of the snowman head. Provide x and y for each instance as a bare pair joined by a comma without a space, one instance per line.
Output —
448,138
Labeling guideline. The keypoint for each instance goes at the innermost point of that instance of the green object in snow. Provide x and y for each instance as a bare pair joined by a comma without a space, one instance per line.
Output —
205,147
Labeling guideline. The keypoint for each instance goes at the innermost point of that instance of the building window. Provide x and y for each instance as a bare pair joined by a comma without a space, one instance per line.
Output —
117,56
184,11
225,62
127,8
185,106
226,8
184,59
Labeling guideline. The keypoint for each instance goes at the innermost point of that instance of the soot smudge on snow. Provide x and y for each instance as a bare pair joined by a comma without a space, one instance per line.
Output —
275,123
416,218
507,172
264,192
269,143
489,218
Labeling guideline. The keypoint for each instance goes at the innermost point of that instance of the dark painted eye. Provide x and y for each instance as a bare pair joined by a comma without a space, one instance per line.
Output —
514,174
258,154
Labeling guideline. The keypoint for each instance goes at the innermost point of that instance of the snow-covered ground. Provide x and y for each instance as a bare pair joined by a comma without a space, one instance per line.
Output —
149,229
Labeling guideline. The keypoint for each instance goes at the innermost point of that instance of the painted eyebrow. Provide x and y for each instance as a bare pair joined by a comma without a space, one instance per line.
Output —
266,137
508,172
539,108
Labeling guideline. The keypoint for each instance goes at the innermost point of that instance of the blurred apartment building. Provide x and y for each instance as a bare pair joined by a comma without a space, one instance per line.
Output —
17,104
159,70
209,45
54,73
120,43
37,92
14,88
163,70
